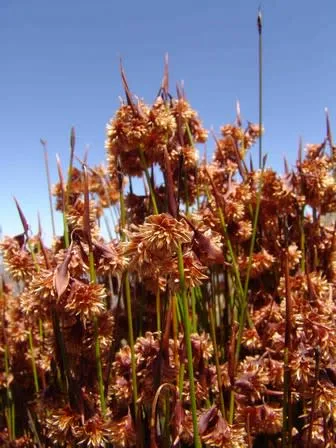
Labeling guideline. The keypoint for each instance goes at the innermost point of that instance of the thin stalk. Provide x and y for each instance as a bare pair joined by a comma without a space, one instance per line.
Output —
218,372
99,367
254,234
231,406
93,276
285,401
46,163
31,347
122,217
127,291
149,182
242,319
313,405
198,203
243,312
33,429
131,340
227,239
13,419
93,279
167,419
65,221
72,153
220,306
287,420
10,403
66,231
100,378
41,332
260,67
231,252
158,310
302,241
181,379
153,418
193,311
8,418
197,441
176,355
61,351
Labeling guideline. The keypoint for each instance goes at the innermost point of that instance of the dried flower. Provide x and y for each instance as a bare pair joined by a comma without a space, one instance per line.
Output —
85,300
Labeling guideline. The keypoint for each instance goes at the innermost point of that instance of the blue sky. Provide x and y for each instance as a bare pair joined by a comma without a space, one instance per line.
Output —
60,67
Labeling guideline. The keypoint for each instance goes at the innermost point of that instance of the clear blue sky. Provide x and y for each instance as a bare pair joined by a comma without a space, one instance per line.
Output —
59,67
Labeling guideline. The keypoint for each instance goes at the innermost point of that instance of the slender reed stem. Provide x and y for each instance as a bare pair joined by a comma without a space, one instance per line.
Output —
197,441
131,340
158,310
93,279
218,372
127,292
99,367
302,241
31,347
287,411
231,406
46,163
260,24
193,311
63,369
65,221
313,405
244,309
175,335
149,182
10,406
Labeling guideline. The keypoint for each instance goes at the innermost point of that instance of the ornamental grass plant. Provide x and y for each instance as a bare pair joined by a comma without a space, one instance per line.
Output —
204,317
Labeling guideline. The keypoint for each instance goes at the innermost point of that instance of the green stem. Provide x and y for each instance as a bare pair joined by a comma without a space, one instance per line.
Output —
127,291
231,410
31,347
66,231
13,420
253,240
181,379
10,406
193,311
176,355
149,182
93,279
68,188
285,424
302,241
197,441
260,87
158,310
231,252
64,368
214,342
131,340
244,313
99,367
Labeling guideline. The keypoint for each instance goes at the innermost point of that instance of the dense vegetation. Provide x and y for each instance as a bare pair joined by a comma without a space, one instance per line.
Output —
205,318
